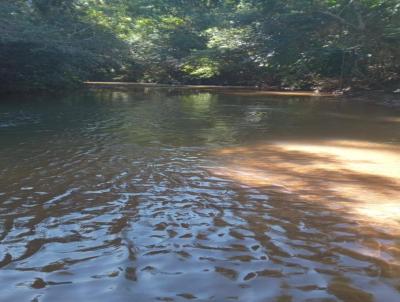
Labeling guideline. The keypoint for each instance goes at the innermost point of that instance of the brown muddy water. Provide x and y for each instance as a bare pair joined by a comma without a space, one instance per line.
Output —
155,195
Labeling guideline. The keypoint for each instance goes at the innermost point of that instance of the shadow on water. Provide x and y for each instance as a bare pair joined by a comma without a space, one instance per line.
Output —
158,196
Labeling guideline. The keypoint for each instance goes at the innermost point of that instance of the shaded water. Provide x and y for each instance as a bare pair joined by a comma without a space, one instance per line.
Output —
160,196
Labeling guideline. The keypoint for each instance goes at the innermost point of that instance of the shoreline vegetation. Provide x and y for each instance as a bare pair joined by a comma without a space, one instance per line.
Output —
330,46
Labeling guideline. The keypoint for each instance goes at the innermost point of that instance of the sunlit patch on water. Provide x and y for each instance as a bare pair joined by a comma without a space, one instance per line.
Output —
356,177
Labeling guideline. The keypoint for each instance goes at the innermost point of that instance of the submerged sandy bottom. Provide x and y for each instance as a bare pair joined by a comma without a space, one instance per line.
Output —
356,178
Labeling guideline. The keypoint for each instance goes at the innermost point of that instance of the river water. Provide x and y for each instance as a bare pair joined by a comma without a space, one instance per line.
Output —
159,195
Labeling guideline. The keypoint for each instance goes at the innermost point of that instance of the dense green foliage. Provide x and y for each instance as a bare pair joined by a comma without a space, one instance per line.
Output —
293,43
52,44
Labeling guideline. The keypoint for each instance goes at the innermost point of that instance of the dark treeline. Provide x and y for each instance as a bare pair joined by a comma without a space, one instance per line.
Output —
297,44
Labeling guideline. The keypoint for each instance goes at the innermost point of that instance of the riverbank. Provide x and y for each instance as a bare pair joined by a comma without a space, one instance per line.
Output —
243,90
377,97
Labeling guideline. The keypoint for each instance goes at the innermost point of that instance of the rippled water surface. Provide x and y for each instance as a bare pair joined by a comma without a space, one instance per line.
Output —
157,195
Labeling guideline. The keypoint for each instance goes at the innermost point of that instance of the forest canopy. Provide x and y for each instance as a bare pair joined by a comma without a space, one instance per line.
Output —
294,44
